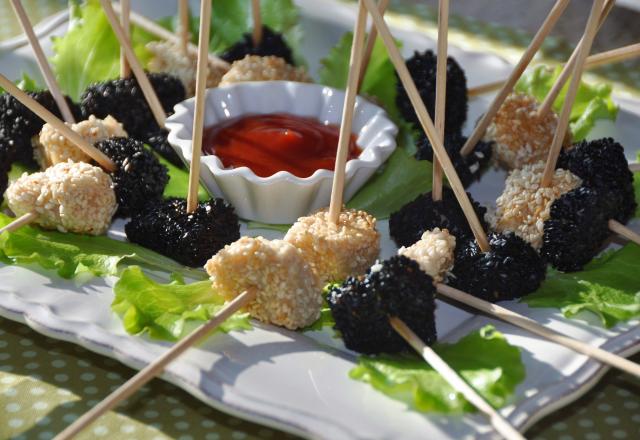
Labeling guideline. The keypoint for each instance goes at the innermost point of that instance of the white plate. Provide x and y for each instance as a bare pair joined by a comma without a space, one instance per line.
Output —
299,382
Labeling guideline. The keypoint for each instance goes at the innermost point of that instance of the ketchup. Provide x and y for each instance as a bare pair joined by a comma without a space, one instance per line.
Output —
276,142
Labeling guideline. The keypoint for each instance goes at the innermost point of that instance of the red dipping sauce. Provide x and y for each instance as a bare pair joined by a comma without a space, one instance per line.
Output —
276,142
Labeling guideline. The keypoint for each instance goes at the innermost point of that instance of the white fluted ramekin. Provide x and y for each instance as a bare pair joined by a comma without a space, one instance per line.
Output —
283,197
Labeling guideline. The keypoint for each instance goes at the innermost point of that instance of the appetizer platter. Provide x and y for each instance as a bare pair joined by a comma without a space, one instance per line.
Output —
393,251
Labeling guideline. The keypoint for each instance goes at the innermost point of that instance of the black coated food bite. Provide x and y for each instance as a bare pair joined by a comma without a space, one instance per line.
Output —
509,270
361,307
407,225
123,99
139,179
272,44
577,228
18,124
422,67
190,239
601,164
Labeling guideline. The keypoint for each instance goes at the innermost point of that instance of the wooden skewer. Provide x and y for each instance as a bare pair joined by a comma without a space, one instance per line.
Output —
200,98
143,81
611,56
427,126
501,425
529,324
565,114
547,104
155,29
614,56
355,62
43,64
371,42
157,366
125,68
623,231
21,221
634,167
257,23
56,123
441,92
526,58
183,25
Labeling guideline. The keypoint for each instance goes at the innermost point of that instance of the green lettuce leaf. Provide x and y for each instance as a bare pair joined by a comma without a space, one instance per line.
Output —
484,358
178,185
401,179
379,81
326,317
80,256
168,311
593,101
609,287
89,52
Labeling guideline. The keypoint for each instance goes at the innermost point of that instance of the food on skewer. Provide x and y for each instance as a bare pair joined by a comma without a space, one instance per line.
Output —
407,225
123,99
601,164
169,58
268,68
19,125
139,179
509,270
422,67
525,205
69,196
52,147
361,306
470,167
434,252
553,219
519,134
271,44
189,238
288,291
579,222
338,250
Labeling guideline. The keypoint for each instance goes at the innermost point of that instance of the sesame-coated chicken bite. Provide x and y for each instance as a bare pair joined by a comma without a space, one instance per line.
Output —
524,205
520,136
434,252
288,293
53,148
255,68
336,251
70,197
168,57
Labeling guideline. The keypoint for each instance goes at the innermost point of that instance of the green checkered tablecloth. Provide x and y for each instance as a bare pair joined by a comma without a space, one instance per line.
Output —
45,384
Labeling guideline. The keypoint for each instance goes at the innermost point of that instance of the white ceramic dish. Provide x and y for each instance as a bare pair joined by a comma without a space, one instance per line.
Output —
298,382
282,197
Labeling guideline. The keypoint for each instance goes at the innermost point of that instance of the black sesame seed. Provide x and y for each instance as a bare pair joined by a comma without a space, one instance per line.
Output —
19,124
407,225
422,67
272,44
601,165
577,228
190,239
509,270
361,307
123,99
139,180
